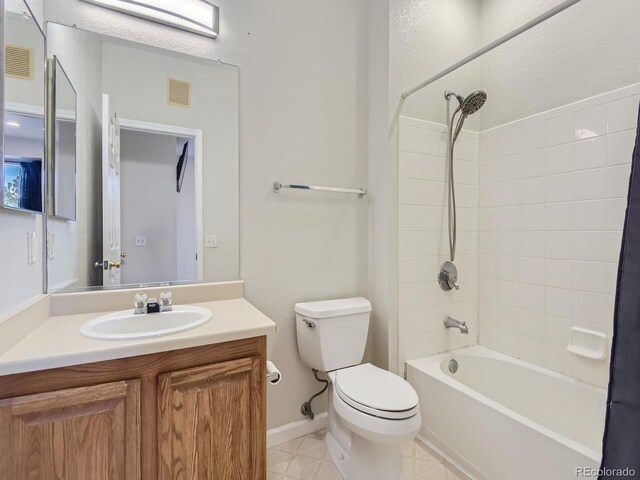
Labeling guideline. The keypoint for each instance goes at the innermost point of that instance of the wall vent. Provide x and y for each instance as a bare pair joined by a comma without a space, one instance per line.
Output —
179,93
18,62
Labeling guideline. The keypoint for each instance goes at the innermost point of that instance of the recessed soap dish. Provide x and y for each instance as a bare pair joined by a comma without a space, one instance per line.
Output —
589,344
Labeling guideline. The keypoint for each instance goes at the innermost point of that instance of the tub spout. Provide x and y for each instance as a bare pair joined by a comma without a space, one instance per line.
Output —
453,323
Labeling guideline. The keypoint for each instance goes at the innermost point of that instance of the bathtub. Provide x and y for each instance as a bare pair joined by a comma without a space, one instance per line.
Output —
499,418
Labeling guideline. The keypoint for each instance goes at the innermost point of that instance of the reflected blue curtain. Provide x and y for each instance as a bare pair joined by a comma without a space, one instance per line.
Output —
31,185
621,443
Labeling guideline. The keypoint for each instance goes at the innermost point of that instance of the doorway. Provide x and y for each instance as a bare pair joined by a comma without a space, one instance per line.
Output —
161,220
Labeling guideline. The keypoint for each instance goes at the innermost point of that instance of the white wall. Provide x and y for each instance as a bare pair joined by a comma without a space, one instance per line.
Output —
24,147
584,51
147,187
425,37
65,189
23,32
303,117
382,185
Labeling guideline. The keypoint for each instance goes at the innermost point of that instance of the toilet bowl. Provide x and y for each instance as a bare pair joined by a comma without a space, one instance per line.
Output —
371,411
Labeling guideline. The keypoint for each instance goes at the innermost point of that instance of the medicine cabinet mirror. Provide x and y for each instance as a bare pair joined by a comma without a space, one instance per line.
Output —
62,153
22,172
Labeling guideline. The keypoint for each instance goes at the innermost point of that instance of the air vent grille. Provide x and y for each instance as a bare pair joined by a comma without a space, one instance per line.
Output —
18,62
179,93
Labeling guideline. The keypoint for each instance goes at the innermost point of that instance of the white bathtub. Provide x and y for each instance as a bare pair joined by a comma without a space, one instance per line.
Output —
503,419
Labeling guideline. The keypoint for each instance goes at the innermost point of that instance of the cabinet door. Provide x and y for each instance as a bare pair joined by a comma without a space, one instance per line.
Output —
211,423
77,434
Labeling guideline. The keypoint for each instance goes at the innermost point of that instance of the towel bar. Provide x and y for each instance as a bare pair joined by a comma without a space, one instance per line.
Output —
361,192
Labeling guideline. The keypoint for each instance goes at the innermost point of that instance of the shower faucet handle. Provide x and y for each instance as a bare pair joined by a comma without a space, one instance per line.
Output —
448,277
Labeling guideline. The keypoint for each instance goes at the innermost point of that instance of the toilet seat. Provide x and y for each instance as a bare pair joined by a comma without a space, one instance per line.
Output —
376,392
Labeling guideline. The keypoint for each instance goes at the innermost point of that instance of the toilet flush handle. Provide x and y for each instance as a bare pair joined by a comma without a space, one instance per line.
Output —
309,323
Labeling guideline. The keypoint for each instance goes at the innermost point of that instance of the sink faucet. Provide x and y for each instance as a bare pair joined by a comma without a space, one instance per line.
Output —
453,323
143,304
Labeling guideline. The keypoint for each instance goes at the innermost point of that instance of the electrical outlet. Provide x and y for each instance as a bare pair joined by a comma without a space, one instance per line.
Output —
31,248
212,241
141,241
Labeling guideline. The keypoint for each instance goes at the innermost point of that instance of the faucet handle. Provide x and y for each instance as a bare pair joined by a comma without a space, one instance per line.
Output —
454,284
166,301
140,302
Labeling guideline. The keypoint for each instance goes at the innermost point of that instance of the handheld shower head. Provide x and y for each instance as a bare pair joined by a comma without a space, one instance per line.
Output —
467,106
471,104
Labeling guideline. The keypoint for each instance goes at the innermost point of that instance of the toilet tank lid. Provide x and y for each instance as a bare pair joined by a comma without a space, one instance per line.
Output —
334,308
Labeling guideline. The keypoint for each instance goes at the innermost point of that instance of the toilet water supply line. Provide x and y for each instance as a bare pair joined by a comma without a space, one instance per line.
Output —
306,407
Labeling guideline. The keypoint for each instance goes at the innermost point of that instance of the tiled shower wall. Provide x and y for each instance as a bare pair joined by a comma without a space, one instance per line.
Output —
541,210
552,200
423,241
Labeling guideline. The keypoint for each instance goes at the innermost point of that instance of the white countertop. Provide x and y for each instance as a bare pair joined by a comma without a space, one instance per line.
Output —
57,342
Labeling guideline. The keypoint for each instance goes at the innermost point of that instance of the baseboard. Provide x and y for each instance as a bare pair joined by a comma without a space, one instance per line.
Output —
285,433
450,460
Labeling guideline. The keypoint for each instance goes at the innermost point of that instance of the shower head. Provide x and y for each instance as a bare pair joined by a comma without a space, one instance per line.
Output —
471,104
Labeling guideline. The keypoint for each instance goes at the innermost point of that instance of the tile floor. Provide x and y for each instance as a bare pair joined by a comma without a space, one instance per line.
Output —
306,458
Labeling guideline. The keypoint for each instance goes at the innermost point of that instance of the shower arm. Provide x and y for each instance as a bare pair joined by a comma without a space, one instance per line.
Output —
518,31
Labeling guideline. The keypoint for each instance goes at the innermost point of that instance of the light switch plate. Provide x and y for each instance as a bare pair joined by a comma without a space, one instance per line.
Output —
141,241
31,248
212,241
51,240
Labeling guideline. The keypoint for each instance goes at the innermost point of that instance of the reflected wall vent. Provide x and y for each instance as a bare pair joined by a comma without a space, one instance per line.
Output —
18,62
179,93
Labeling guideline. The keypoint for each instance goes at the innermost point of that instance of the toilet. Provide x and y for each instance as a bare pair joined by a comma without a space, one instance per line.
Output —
371,411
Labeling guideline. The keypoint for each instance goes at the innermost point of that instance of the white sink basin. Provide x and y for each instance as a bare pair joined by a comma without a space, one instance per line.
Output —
127,326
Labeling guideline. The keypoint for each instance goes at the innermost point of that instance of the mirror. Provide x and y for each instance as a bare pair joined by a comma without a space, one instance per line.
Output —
23,160
21,176
63,165
157,166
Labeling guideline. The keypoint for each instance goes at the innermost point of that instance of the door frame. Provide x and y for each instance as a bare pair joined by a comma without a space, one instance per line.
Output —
197,135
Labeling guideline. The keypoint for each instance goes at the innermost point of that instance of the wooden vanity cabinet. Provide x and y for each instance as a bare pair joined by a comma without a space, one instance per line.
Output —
192,414
86,432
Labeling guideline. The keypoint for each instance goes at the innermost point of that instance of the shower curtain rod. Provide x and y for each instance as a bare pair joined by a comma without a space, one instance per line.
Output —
545,16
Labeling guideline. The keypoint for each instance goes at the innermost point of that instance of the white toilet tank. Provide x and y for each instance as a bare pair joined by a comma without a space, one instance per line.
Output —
332,334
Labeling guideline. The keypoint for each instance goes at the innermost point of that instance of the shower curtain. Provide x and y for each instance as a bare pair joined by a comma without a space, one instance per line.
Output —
621,443
31,185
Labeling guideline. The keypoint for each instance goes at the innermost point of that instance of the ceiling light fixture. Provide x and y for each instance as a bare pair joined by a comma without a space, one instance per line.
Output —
12,123
197,16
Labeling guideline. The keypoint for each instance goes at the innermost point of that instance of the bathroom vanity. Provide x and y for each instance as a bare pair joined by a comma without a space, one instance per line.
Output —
111,193
191,413
189,405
